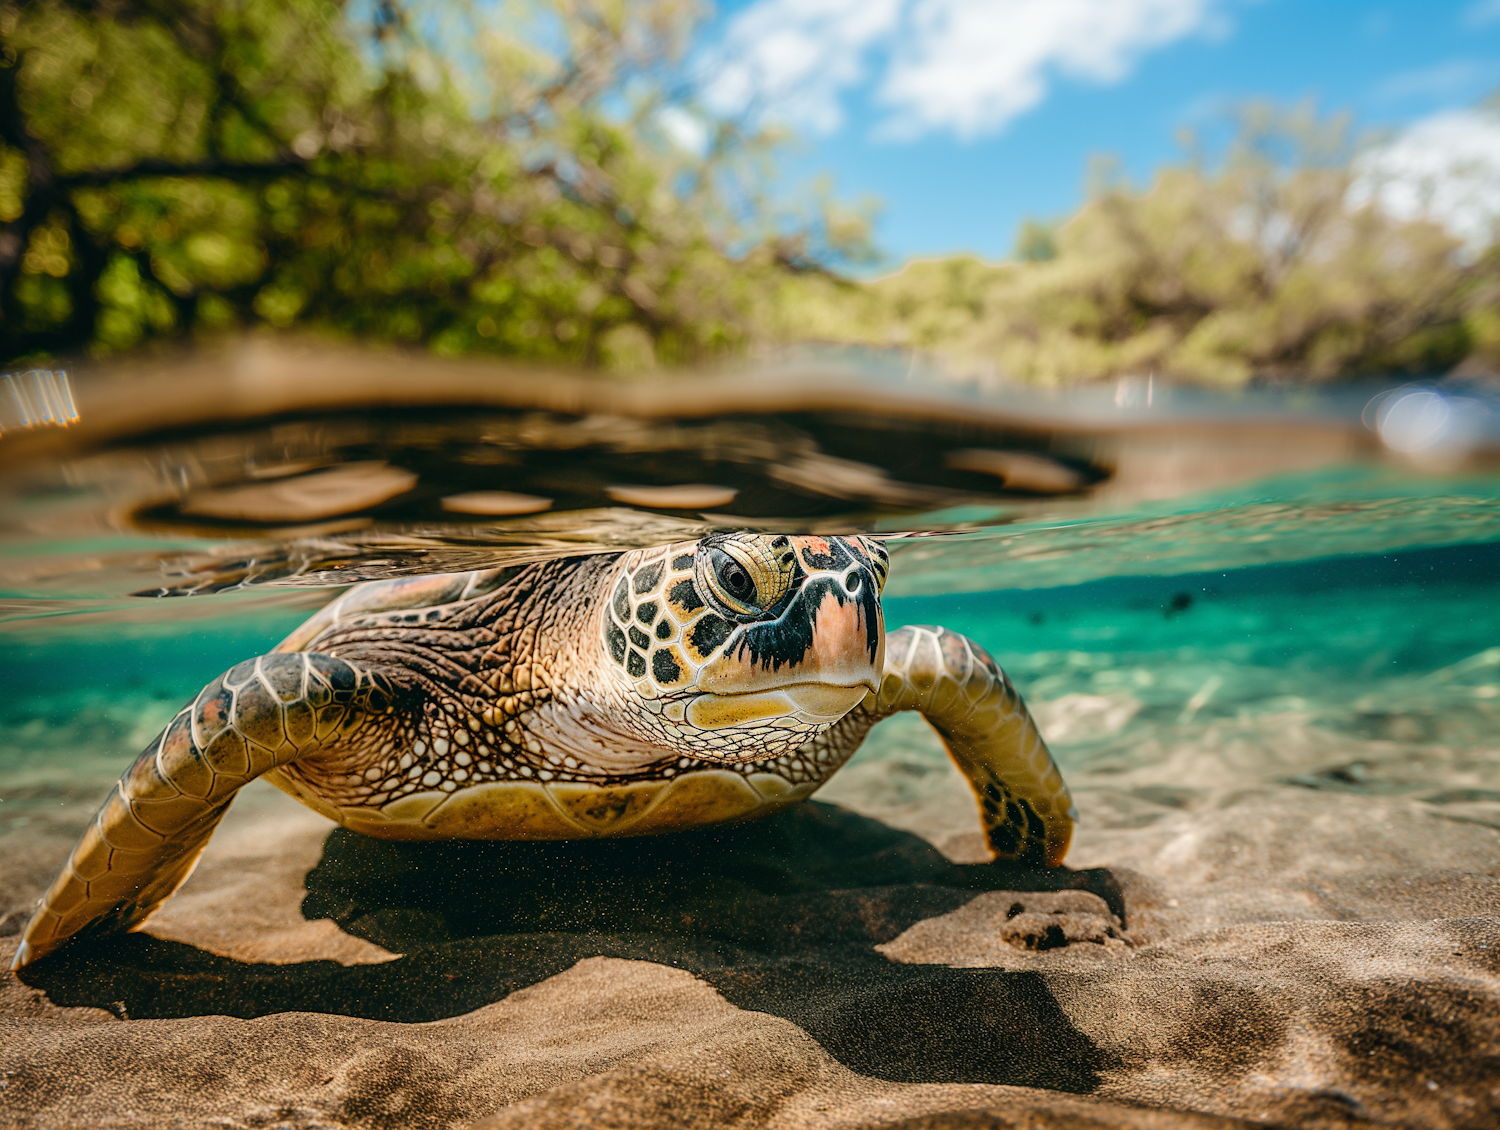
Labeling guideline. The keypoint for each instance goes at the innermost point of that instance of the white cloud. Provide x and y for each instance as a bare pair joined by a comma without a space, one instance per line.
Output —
969,66
792,58
1444,168
685,129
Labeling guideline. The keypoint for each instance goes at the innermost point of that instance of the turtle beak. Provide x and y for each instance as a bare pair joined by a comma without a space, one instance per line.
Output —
831,634
848,633
814,663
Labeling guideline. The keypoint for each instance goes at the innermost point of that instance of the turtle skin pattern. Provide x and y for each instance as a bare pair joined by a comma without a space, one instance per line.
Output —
624,694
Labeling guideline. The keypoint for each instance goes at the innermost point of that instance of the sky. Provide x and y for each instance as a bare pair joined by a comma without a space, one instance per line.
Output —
964,117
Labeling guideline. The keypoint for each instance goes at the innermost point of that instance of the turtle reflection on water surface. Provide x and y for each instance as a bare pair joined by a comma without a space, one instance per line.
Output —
615,695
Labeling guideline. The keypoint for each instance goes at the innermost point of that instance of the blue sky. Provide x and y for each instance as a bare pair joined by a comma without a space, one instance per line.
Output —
965,116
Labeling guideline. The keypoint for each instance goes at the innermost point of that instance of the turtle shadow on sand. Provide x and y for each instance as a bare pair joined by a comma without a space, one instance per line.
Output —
781,916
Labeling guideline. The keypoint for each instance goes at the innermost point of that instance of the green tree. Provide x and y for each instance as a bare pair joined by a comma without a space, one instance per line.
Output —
1263,265
468,177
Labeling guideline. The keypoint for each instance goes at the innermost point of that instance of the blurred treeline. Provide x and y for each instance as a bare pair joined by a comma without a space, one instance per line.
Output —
1273,261
531,178
490,177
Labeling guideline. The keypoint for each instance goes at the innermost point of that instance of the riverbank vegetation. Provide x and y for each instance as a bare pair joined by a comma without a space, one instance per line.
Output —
428,174
1274,262
534,180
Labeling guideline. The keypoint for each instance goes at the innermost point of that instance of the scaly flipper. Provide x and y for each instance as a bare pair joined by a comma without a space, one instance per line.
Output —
146,838
1024,806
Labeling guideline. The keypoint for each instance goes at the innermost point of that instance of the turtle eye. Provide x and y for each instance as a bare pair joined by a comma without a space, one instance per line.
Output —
734,579
741,579
730,584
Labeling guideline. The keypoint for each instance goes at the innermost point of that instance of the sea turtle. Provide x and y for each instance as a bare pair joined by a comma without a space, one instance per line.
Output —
614,695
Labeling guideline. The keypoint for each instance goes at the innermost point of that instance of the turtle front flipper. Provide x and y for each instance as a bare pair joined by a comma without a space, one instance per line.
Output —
1023,803
146,838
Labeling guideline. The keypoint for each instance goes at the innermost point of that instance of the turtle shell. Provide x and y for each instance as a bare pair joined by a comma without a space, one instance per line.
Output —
399,594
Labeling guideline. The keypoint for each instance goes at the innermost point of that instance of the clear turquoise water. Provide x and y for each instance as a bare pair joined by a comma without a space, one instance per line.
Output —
1277,705
1387,659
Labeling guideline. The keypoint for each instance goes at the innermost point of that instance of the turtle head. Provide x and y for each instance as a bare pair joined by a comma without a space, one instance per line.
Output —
743,646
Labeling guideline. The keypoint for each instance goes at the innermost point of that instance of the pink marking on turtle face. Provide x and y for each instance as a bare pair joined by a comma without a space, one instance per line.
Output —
838,655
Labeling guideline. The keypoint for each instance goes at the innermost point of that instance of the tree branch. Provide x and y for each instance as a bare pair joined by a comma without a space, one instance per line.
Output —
98,178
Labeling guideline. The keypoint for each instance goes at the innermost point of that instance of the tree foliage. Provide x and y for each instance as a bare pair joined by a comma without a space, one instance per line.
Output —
1265,265
531,178
472,178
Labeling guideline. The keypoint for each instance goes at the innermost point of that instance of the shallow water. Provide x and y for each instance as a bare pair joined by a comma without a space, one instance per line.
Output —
1316,622
1333,626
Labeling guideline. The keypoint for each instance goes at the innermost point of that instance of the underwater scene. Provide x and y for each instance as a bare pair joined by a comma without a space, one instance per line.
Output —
1261,639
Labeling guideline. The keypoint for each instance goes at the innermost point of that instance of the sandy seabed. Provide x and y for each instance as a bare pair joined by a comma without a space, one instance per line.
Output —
1261,921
